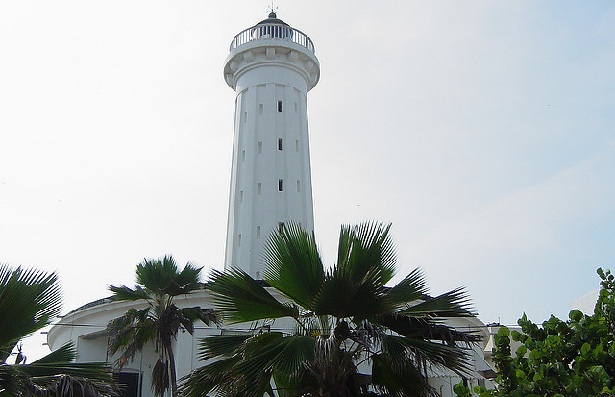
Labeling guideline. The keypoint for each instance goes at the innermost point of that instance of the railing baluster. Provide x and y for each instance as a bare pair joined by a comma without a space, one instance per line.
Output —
272,31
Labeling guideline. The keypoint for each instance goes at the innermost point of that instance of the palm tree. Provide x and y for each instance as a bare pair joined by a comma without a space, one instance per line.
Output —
344,321
158,282
29,299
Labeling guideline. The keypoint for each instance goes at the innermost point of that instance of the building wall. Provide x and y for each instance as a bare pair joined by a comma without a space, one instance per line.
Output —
85,327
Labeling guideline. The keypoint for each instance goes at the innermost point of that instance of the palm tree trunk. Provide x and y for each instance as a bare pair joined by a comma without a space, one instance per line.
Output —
172,371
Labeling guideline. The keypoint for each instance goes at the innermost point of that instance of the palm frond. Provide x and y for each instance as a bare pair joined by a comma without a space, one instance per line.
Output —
426,328
293,263
125,293
163,277
130,332
29,298
420,350
398,380
65,353
366,251
56,373
217,376
455,303
160,377
411,289
341,296
187,280
220,345
207,316
241,298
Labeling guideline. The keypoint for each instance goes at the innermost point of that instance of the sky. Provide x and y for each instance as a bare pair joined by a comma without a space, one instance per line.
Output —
483,131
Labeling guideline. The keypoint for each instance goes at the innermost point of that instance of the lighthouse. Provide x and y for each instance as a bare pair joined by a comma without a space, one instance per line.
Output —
271,66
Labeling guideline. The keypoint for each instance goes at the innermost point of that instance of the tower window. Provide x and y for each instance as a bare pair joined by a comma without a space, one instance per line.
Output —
239,240
241,196
243,155
280,185
297,145
258,232
279,143
260,147
258,188
298,185
280,106
260,108
296,107
245,116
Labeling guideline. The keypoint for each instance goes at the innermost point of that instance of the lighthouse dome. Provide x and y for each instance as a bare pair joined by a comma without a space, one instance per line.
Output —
272,27
272,18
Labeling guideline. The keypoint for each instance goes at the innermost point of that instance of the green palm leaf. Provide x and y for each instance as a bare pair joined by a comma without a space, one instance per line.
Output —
408,291
294,266
366,253
217,376
454,303
28,300
158,282
341,316
220,345
241,298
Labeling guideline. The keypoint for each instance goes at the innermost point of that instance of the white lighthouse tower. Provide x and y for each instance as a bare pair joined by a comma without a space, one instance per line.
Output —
271,67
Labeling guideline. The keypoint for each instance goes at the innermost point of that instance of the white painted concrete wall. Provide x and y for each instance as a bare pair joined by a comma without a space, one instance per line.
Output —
270,177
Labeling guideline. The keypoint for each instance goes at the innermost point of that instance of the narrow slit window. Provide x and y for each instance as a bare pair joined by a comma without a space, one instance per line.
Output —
258,232
280,106
243,155
241,196
239,240
280,185
297,145
260,147
258,188
279,143
245,116
260,108
298,185
296,107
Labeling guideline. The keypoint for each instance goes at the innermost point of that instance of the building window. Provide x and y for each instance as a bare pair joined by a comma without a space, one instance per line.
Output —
297,145
239,240
243,155
260,147
280,185
279,143
258,188
258,232
245,117
260,108
296,107
241,196
298,185
280,106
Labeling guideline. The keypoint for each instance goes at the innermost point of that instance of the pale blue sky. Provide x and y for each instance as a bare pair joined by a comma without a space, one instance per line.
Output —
484,131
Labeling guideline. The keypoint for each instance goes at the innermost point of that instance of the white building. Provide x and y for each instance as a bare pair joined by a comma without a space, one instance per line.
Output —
271,67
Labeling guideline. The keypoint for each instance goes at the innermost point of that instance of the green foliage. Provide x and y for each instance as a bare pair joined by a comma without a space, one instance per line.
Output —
29,299
572,358
340,317
158,282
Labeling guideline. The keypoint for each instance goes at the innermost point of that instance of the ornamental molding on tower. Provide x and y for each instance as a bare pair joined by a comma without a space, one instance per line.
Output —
272,42
257,53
